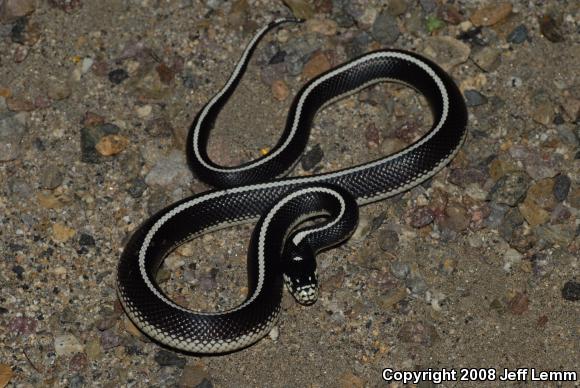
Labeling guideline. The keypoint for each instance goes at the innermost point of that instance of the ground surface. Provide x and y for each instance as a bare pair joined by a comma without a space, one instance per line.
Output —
476,268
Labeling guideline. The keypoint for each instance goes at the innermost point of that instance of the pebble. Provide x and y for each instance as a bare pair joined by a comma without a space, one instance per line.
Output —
86,64
474,98
6,374
16,104
510,188
159,126
385,28
118,75
541,193
42,102
550,28
132,329
91,119
22,326
358,45
90,136
456,218
65,5
274,334
487,58
51,176
518,35
312,157
171,170
62,233
388,240
326,27
166,358
450,14
400,270
12,130
571,291
448,266
418,333
556,234
86,240
78,362
421,216
11,10
214,4
416,285
533,213
25,32
491,14
67,344
301,9
137,187
109,339
448,52
195,376
363,229
560,214
341,15
317,64
349,380
298,51
20,54
166,73
572,109
59,90
144,111
76,381
518,304
574,198
511,257
397,7
428,5
464,177
543,113
496,216
392,298
561,187
280,90
110,145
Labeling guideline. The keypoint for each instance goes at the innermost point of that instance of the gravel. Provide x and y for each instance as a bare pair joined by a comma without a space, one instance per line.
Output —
481,262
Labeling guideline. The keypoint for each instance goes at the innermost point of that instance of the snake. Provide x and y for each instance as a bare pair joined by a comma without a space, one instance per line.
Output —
296,217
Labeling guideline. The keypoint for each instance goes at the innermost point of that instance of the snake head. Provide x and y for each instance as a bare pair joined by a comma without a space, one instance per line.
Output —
300,274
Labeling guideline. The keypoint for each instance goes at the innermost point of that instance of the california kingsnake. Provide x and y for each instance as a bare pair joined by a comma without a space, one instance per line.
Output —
255,190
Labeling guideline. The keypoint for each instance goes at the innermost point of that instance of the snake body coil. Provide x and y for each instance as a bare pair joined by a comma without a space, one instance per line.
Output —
255,190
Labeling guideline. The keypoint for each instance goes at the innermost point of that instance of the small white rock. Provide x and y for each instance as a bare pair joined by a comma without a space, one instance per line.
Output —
67,344
144,111
510,258
86,64
363,228
274,333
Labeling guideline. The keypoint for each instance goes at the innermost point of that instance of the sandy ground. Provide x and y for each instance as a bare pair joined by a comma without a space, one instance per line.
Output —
461,272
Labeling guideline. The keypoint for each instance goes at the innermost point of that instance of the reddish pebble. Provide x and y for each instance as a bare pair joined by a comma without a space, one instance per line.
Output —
422,216
519,304
16,104
165,73
92,119
372,135
22,326
42,102
78,362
